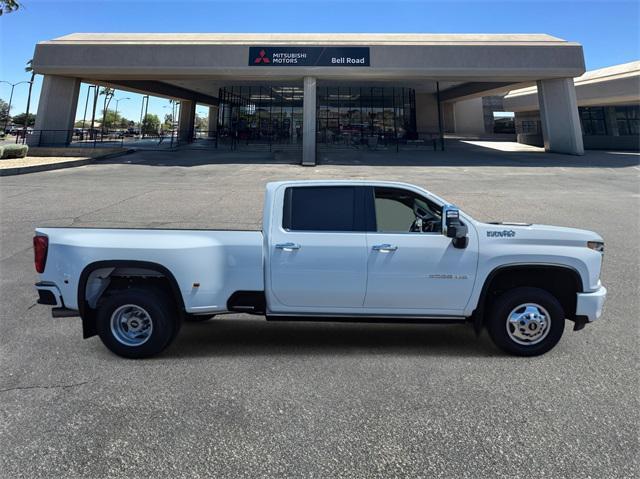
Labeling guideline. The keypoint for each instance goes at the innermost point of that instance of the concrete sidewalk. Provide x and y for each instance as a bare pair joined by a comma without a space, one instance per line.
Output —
45,159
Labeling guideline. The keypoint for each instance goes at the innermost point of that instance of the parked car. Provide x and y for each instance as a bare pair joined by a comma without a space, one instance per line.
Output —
328,250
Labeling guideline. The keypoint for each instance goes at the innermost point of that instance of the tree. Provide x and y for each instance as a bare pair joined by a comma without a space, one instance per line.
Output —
4,111
150,124
202,123
114,120
168,122
111,119
8,6
124,123
20,119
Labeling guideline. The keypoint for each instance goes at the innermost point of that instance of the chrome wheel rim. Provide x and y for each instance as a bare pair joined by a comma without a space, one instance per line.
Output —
528,324
131,325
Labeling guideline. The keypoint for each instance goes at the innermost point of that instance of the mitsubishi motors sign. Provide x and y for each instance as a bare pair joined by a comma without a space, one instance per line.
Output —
309,56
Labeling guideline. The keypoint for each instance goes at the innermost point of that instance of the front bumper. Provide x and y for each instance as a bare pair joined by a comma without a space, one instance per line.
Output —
589,305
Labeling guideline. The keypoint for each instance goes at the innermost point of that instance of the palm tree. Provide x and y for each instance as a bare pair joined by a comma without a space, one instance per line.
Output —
29,69
108,95
8,6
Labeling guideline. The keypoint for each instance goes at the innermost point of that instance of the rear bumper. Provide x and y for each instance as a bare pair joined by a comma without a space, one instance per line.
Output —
589,305
49,294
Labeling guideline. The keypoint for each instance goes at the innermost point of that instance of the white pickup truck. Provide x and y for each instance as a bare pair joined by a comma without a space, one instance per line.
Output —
329,250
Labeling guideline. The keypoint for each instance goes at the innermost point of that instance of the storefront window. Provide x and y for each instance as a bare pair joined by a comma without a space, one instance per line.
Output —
529,127
592,120
348,116
628,120
354,116
261,114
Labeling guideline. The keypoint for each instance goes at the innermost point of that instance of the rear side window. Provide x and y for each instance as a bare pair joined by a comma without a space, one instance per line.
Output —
323,208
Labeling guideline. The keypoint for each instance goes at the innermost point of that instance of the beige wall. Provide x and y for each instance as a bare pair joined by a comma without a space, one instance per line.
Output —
510,58
469,117
449,121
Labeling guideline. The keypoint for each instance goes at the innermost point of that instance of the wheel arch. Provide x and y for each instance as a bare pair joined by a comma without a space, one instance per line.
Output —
87,314
516,269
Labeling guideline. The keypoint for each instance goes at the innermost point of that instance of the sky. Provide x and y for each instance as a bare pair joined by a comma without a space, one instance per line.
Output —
608,30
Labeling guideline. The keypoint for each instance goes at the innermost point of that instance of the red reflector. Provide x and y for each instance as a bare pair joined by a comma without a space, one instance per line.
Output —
40,246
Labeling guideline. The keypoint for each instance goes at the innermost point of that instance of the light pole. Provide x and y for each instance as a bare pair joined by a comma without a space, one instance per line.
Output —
93,113
174,112
118,100
13,85
145,100
86,104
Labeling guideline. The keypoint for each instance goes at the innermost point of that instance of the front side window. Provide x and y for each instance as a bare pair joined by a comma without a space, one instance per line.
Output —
323,208
402,211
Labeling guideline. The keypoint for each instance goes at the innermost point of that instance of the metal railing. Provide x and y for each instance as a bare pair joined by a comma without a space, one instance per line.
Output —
234,140
78,138
225,140
415,141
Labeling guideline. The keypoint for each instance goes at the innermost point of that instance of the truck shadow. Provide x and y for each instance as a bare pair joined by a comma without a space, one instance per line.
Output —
235,337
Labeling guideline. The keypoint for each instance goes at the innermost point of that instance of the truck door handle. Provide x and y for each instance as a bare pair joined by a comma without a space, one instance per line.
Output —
287,246
385,248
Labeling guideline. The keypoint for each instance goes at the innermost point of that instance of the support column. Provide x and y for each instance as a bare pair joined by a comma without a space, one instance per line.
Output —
56,111
186,121
559,116
309,122
213,121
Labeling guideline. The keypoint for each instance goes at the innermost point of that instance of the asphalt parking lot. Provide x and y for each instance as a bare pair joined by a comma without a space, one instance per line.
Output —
240,397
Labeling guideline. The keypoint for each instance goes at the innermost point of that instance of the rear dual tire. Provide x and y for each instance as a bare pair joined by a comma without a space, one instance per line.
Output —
526,321
137,322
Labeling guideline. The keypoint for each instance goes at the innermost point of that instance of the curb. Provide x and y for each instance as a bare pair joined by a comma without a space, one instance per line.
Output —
21,170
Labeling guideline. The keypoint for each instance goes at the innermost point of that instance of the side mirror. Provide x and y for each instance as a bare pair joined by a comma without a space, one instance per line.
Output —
453,228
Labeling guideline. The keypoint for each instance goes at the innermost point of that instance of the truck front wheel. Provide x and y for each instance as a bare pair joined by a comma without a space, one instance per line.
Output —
136,322
526,321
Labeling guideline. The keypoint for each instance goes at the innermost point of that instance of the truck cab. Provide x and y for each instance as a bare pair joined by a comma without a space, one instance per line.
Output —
364,249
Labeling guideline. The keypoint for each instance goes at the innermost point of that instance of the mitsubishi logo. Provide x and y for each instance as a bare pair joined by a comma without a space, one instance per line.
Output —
262,57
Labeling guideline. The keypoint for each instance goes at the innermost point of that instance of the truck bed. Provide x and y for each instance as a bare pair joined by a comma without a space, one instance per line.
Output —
208,265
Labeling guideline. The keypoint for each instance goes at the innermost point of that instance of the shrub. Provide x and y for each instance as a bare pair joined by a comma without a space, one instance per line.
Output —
14,151
1,151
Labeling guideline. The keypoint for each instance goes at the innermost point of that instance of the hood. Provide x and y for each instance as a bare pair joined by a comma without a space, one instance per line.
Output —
536,234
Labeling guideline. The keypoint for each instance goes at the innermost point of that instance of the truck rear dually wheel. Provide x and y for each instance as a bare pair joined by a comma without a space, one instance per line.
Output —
136,322
526,321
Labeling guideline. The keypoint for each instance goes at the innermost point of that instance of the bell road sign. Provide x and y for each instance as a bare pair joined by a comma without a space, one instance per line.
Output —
309,56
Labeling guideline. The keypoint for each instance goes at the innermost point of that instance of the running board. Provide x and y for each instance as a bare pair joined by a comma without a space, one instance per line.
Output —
372,319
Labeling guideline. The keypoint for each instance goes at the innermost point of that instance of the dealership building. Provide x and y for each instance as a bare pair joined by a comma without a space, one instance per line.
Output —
317,89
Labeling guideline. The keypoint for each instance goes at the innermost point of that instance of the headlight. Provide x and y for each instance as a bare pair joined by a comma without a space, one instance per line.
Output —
596,245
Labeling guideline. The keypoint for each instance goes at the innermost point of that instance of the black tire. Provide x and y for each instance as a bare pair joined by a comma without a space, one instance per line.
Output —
198,318
502,307
162,314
